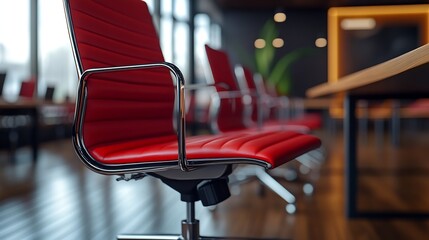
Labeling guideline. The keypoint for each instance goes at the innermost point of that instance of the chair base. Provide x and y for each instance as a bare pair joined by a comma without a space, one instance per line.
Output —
190,230
177,237
264,177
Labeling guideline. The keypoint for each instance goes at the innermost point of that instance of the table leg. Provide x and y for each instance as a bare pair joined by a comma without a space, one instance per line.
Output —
35,134
350,139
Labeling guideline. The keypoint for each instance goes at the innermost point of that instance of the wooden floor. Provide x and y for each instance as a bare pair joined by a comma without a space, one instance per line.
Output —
59,199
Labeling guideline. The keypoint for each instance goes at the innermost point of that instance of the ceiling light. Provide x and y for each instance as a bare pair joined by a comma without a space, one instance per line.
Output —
278,43
260,43
280,17
321,42
358,23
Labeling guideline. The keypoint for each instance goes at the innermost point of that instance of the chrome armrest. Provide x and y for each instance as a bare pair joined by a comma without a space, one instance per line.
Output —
230,94
206,85
179,104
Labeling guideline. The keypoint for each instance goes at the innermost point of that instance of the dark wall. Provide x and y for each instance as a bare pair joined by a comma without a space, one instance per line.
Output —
301,29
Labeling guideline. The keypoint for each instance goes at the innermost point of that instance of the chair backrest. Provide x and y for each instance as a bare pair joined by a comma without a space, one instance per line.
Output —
123,105
2,80
221,70
229,109
248,86
49,94
28,88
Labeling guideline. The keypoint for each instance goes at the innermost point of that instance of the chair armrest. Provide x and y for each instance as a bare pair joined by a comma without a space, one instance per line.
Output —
179,103
206,85
230,94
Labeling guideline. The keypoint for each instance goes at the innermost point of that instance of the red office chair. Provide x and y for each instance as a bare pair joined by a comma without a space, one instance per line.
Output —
129,118
264,101
245,92
28,88
228,111
288,117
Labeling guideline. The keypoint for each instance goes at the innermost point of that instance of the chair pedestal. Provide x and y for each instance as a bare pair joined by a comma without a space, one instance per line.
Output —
190,231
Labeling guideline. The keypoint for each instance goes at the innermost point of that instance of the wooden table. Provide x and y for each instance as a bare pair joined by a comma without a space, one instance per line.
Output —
404,77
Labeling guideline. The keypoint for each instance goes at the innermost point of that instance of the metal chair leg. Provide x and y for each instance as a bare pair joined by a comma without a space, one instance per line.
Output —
148,237
276,187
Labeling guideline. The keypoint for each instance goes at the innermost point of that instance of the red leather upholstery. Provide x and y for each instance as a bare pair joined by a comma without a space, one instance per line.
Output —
221,69
128,105
275,148
28,88
128,116
231,108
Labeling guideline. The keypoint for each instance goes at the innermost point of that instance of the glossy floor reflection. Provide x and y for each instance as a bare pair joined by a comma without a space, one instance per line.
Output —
58,198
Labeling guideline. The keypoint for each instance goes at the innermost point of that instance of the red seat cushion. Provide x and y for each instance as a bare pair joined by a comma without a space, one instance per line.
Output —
311,120
305,123
274,148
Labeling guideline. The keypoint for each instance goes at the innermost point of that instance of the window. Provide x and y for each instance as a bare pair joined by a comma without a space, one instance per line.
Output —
14,45
56,65
205,33
181,47
181,10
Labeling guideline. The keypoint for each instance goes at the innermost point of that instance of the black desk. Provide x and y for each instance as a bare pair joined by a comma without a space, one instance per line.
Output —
35,109
399,78
25,107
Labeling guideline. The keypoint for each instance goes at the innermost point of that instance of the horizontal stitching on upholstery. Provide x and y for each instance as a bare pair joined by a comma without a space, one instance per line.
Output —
130,100
231,139
124,15
212,140
285,141
226,141
158,84
119,53
129,120
130,140
254,137
117,26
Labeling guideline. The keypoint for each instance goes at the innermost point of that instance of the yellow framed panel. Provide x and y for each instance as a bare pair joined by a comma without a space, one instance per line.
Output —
398,14
381,15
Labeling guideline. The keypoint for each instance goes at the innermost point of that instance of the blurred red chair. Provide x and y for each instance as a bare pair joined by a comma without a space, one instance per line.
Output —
28,88
288,114
251,111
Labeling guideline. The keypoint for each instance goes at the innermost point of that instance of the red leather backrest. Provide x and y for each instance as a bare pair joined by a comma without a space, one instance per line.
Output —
221,69
28,88
230,114
123,105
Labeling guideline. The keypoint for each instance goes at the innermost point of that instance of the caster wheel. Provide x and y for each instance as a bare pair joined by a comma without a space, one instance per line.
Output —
290,175
290,208
212,208
308,189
